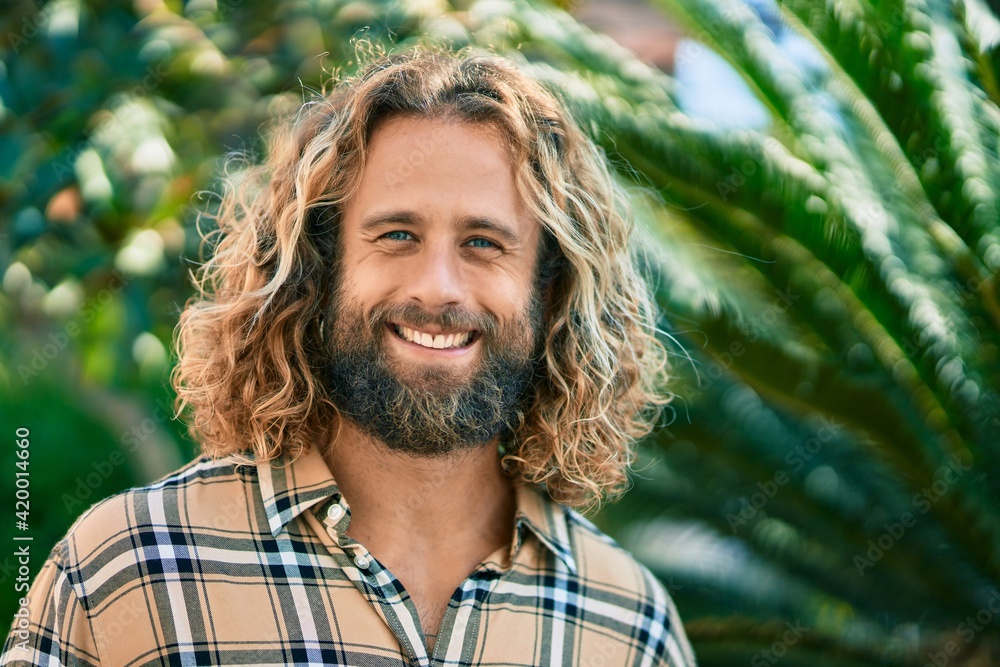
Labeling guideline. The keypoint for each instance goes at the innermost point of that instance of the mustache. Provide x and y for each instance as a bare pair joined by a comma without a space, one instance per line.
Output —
454,317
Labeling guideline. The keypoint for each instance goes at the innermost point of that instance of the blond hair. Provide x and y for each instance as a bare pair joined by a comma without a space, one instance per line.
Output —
248,340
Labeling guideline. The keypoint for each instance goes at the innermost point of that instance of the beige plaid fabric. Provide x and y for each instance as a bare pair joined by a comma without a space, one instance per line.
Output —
226,564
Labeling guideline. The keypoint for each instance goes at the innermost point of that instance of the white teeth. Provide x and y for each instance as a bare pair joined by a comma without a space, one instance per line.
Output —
439,342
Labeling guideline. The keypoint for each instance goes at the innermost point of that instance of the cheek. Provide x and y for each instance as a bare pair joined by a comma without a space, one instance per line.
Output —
365,282
508,300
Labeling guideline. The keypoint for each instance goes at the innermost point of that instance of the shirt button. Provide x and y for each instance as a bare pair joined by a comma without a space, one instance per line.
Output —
362,562
335,512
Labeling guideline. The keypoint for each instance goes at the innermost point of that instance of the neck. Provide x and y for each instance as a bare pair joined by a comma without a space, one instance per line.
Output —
397,499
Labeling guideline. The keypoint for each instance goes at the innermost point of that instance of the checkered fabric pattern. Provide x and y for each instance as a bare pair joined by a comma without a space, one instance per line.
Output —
221,563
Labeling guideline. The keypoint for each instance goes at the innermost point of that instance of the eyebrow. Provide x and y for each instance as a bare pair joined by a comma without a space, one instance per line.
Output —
394,218
471,222
501,229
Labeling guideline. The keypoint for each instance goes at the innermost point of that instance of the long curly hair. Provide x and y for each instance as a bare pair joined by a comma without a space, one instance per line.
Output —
248,342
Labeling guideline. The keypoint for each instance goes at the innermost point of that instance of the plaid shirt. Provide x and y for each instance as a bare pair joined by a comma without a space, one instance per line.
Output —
221,563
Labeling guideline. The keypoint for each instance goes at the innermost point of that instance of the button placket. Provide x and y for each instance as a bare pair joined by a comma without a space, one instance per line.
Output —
336,519
335,512
368,579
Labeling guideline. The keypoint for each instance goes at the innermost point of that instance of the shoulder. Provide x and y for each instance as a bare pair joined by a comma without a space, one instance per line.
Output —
204,493
601,559
614,575
108,570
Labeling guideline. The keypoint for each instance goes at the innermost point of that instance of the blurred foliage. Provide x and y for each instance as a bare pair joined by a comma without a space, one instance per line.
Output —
826,491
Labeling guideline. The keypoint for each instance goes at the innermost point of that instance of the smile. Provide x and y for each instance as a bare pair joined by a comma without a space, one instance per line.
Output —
442,341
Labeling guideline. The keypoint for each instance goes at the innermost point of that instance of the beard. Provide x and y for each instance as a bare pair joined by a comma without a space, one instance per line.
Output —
431,409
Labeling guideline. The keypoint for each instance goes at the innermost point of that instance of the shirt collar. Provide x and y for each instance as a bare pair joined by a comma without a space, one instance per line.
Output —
290,486
546,519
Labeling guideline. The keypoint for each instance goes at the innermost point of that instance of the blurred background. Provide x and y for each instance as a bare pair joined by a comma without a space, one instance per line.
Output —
817,186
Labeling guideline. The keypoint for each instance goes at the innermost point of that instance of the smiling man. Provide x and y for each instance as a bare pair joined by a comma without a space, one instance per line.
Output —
420,346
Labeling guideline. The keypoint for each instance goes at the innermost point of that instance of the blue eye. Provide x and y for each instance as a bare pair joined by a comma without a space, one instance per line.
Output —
491,244
398,231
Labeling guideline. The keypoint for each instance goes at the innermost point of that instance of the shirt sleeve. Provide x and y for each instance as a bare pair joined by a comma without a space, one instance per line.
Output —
53,628
674,648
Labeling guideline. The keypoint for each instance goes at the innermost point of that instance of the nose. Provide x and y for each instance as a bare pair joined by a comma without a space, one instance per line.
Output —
436,278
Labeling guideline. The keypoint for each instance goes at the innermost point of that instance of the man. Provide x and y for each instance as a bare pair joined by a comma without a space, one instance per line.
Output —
421,324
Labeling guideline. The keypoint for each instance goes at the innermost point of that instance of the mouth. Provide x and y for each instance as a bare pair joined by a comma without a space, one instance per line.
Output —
453,340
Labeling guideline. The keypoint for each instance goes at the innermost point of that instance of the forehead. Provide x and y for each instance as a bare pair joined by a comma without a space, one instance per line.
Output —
442,166
422,137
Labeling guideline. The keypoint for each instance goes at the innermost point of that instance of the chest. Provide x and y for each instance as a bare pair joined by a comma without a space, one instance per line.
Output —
320,604
431,586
